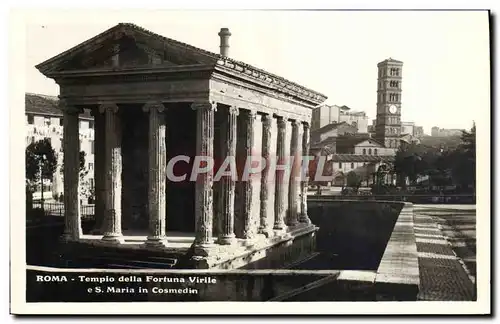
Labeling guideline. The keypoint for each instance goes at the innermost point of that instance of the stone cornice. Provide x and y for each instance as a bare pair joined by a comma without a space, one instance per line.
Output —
269,80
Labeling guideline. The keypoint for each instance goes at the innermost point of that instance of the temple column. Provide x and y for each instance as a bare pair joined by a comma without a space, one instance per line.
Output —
249,225
99,173
227,194
71,160
304,184
204,184
280,197
295,172
267,187
113,169
157,174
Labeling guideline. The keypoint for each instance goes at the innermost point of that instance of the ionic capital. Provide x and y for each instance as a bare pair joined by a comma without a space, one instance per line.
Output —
233,110
109,106
306,125
205,105
282,121
295,123
154,105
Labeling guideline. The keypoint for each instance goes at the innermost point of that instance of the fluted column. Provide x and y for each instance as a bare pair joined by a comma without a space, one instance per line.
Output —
157,174
280,200
227,195
204,184
249,225
71,160
99,173
265,226
113,168
304,185
293,183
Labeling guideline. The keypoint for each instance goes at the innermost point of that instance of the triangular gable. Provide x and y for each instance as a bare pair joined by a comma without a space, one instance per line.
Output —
126,45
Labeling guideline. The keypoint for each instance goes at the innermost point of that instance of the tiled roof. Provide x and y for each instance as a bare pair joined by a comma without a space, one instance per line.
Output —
42,104
329,127
361,158
39,104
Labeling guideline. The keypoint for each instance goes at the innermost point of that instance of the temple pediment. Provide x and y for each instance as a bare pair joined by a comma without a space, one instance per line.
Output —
131,51
127,46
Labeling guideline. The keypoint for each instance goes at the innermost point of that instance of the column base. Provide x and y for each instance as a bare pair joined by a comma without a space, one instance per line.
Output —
156,242
203,249
227,240
251,241
304,218
266,231
279,229
113,238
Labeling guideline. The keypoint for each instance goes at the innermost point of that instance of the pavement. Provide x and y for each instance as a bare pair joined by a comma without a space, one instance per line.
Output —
446,245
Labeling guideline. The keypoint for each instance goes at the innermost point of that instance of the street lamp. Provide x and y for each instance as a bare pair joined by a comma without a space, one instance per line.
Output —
44,158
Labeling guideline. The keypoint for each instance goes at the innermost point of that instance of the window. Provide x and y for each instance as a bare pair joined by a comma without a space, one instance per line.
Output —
32,139
46,121
364,151
91,124
369,151
375,152
340,165
352,165
31,119
61,121
92,147
91,181
91,166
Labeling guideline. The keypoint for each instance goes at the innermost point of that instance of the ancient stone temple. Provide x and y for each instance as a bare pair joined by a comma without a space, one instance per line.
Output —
155,99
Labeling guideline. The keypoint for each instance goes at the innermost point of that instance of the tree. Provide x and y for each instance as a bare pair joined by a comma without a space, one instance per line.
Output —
353,180
463,168
39,156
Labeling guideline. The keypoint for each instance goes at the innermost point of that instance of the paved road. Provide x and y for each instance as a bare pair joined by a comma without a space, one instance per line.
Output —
446,242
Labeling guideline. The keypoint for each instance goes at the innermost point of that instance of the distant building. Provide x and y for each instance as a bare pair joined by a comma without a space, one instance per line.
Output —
388,125
329,114
324,115
43,119
354,118
443,132
418,131
361,144
332,130
364,165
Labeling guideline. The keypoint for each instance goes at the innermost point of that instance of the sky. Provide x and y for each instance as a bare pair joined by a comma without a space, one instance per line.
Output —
446,80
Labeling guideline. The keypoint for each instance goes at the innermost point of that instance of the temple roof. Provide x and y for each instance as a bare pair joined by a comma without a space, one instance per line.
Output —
185,54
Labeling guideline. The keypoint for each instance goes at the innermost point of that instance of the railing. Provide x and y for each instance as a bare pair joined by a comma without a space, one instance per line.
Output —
415,198
57,209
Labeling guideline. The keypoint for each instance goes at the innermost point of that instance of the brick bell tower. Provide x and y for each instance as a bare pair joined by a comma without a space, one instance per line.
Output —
388,127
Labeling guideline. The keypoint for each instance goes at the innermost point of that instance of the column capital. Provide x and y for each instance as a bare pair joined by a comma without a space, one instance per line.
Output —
306,125
208,105
267,119
296,123
282,120
69,108
233,110
154,105
109,106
